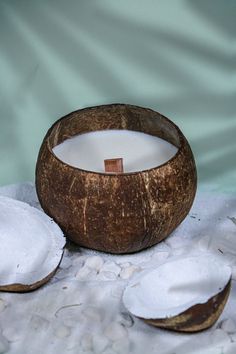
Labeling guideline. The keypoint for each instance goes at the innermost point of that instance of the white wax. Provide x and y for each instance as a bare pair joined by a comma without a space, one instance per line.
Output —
139,151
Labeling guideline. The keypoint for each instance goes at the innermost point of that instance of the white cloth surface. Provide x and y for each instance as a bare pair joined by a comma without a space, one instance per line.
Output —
80,309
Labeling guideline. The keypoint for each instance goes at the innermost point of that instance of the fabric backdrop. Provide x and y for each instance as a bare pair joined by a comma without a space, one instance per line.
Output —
177,57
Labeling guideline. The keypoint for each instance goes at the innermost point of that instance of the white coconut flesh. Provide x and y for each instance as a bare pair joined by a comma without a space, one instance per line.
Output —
175,286
31,243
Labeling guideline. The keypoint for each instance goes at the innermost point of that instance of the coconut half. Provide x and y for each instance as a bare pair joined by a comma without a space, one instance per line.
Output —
31,246
184,294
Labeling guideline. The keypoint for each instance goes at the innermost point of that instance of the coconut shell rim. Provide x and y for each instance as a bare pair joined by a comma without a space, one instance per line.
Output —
181,136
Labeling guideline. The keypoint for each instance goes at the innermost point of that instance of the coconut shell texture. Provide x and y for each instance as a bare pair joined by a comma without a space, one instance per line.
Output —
116,213
197,317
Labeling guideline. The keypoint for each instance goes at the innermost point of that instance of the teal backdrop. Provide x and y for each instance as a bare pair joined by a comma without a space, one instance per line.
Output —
174,56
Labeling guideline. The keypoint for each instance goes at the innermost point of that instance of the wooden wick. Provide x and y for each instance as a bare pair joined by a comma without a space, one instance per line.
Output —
114,165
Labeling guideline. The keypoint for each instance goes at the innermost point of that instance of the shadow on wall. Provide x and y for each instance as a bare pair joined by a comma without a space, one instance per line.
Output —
220,14
216,154
87,53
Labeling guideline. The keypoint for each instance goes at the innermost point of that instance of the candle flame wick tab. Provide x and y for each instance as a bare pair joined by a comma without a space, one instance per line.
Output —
114,165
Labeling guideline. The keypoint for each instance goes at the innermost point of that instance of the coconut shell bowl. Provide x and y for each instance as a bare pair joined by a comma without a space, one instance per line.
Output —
116,212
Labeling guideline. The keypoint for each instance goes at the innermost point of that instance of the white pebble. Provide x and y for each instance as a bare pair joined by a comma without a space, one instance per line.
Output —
107,351
39,323
94,262
125,264
117,292
160,256
62,331
111,267
12,333
98,295
78,261
126,273
93,314
99,343
115,331
86,342
4,344
83,273
3,305
219,337
61,274
205,242
228,326
121,346
71,321
179,251
65,263
106,276
92,275
233,337
162,247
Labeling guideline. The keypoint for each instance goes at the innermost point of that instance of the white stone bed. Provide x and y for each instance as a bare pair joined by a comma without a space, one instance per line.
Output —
80,309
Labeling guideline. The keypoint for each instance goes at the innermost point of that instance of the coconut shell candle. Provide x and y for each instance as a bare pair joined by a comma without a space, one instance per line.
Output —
116,212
